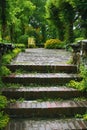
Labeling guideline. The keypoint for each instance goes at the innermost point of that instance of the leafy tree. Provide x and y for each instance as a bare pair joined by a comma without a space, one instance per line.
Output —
20,12
16,16
68,15
38,20
3,117
61,13
81,13
3,16
53,14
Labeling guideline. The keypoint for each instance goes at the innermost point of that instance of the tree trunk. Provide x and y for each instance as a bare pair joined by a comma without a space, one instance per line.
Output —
3,18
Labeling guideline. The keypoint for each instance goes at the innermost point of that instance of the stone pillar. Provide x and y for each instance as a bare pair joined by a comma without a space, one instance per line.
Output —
84,52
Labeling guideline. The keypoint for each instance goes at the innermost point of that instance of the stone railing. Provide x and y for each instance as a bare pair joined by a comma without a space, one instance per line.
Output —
4,48
79,52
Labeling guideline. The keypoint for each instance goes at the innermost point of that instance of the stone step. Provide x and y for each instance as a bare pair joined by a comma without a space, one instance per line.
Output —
47,124
44,68
32,93
41,78
46,108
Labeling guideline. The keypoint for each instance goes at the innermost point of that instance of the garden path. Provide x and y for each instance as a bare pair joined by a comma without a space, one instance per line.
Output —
48,104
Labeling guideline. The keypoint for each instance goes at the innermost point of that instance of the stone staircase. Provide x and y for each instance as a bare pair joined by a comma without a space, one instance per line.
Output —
47,103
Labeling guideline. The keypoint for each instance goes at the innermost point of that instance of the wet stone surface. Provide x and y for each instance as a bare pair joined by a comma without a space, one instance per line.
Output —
42,57
45,57
46,124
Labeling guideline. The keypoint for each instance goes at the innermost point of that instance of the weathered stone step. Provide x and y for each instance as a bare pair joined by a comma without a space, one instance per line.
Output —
47,124
32,93
46,109
44,68
41,78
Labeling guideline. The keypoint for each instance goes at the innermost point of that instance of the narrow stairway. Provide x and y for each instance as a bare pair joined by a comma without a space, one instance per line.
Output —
38,95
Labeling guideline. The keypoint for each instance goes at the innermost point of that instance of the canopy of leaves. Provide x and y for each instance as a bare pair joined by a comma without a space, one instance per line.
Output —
67,15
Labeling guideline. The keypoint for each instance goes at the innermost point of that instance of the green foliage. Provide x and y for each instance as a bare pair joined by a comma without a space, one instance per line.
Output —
3,102
12,85
12,101
84,116
79,38
53,15
81,7
61,14
69,17
53,44
38,22
1,83
35,33
3,117
78,116
21,100
20,71
5,71
82,85
3,120
20,45
15,15
15,52
74,84
6,58
80,99
23,39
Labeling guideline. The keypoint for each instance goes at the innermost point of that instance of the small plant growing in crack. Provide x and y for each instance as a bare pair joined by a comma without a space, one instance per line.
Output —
84,116
82,85
14,100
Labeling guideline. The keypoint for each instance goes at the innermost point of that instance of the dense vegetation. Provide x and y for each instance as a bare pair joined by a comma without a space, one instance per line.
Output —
82,85
3,117
4,71
42,19
69,17
54,44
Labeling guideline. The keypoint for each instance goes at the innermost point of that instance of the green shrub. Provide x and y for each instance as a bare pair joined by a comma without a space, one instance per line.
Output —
6,59
15,52
1,83
20,45
84,116
53,44
5,71
79,38
3,117
3,120
23,39
3,102
82,85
